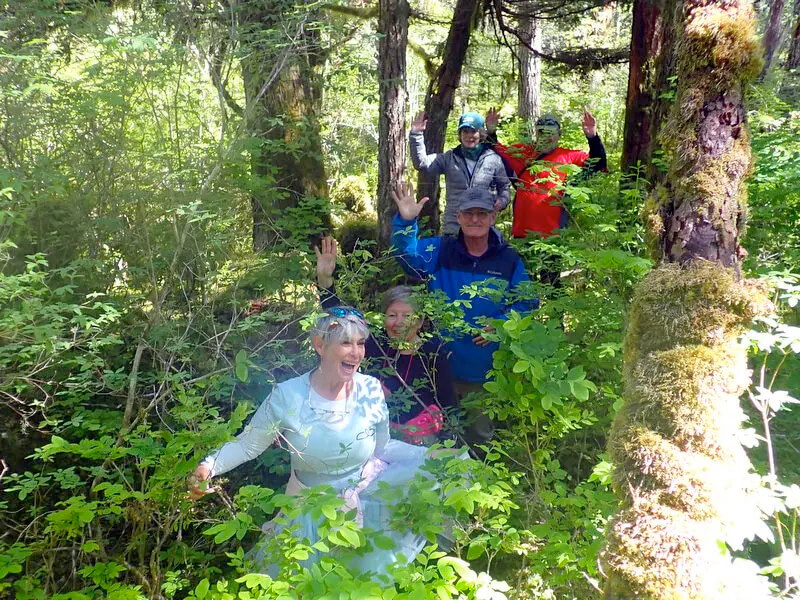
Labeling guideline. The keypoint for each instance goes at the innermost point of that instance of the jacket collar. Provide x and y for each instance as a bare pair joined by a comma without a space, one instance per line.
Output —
496,243
483,146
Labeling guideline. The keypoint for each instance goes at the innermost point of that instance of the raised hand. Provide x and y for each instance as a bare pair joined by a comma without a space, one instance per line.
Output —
326,261
589,124
407,204
492,119
419,122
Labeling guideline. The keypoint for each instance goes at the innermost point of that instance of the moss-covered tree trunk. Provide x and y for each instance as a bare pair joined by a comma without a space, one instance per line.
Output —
772,35
793,60
680,470
282,81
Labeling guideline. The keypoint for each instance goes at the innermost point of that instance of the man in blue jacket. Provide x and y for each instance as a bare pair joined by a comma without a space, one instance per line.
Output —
477,254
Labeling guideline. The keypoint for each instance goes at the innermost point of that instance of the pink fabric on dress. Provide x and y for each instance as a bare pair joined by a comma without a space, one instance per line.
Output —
428,422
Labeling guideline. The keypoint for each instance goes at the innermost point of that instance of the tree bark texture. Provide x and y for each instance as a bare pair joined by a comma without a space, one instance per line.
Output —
284,120
393,27
700,210
681,472
652,61
530,69
440,98
772,35
793,60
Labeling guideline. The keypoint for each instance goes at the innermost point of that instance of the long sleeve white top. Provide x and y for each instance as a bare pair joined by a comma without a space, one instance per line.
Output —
324,437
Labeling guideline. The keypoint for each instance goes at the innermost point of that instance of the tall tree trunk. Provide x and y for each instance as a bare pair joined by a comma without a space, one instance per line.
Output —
284,116
772,35
440,97
680,470
793,60
393,27
530,68
652,61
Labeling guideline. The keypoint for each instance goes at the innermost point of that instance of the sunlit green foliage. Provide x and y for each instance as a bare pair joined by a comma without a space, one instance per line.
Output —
128,350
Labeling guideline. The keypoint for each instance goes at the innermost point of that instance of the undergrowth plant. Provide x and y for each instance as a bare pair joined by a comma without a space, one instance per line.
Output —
139,330
126,412
775,347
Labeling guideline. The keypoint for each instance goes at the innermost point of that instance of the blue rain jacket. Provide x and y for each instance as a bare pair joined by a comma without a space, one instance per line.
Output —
447,266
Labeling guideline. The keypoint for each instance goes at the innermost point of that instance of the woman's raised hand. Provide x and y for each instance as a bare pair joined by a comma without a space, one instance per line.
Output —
589,124
198,483
407,204
492,119
419,122
326,261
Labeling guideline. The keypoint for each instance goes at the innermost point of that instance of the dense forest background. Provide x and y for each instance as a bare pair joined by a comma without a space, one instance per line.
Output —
165,164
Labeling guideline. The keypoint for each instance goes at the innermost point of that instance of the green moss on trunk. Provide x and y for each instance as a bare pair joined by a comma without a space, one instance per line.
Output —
700,210
680,469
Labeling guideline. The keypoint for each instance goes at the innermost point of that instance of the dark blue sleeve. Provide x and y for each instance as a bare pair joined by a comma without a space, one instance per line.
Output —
597,155
418,257
328,297
445,390
520,275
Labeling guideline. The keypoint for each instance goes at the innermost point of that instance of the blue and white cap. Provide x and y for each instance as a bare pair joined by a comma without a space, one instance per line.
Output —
470,119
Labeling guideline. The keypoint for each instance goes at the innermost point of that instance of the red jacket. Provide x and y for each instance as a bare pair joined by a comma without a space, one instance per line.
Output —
537,206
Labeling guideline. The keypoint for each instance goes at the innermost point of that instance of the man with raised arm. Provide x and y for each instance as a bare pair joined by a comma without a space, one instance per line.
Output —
471,164
478,254
538,205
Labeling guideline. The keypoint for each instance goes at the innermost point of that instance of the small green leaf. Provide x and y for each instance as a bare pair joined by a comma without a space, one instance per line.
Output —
461,567
329,511
350,536
222,531
241,370
384,542
576,374
475,550
201,591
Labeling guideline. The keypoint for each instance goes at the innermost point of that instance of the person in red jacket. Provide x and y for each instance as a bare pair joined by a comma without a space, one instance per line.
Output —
538,205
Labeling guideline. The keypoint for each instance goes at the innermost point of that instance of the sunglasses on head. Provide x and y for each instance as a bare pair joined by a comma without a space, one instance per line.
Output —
341,311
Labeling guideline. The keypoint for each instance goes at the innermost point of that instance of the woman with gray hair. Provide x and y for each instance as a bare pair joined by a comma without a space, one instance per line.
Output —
414,372
334,422
471,164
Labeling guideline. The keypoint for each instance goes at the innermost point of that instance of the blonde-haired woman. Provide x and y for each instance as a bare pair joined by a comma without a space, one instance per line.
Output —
414,370
334,422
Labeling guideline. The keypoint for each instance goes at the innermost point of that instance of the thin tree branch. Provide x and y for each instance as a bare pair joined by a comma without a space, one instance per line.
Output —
584,58
545,11
214,62
371,12
352,11
132,381
427,59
